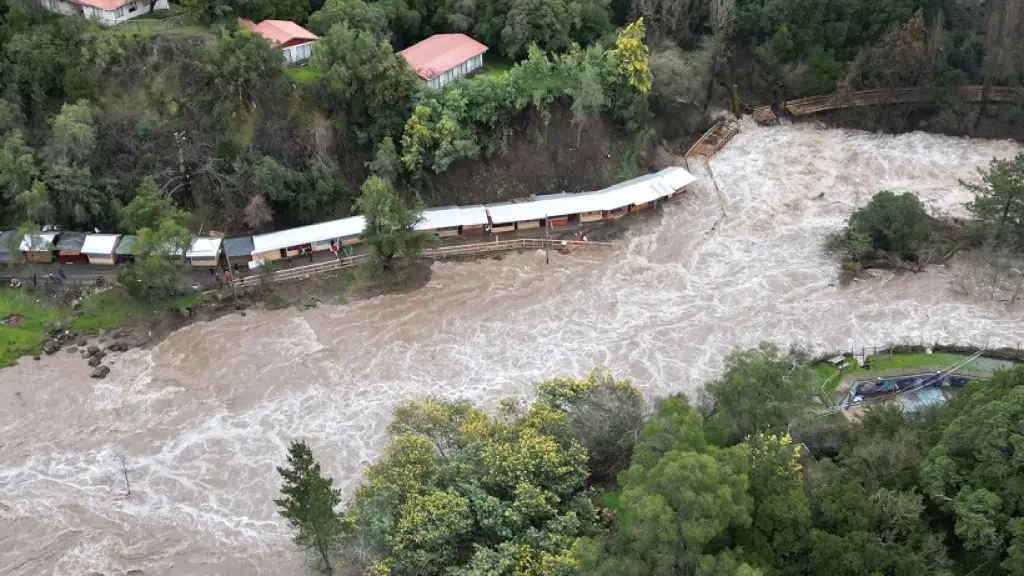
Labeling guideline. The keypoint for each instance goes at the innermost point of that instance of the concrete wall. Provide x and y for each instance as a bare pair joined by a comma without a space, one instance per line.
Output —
107,17
298,53
450,75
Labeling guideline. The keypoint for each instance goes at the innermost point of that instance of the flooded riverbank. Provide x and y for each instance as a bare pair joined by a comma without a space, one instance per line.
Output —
202,418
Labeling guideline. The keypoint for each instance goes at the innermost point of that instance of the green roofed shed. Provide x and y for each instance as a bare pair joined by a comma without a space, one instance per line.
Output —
128,246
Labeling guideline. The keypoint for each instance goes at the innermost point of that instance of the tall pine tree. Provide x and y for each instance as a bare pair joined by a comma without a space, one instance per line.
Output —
308,505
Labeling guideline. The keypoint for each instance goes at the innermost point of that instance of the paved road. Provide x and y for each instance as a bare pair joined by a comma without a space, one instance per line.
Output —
201,277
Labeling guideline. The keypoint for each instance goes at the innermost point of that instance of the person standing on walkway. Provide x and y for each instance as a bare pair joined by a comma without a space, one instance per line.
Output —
63,276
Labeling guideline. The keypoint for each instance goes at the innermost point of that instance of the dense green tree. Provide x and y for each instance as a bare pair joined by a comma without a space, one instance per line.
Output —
244,71
675,503
11,117
437,134
76,196
998,204
148,208
356,14
894,223
631,57
460,493
294,10
390,224
35,204
363,78
42,61
17,166
972,472
386,162
762,390
158,269
308,503
821,34
587,87
73,134
603,414
553,25
781,512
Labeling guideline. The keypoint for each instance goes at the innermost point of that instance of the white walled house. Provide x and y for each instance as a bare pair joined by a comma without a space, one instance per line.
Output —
295,42
442,58
107,12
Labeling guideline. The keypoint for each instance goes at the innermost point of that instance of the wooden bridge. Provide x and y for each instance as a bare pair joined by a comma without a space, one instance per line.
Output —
714,139
877,96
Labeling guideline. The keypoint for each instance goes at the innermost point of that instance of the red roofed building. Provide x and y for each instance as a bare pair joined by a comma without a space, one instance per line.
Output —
442,58
295,41
108,12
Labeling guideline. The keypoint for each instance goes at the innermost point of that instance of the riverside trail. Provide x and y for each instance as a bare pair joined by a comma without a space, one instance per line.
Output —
203,417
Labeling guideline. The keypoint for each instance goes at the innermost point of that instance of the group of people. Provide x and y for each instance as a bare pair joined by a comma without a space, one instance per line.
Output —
224,278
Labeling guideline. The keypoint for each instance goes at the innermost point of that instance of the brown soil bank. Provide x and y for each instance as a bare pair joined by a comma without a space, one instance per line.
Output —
543,157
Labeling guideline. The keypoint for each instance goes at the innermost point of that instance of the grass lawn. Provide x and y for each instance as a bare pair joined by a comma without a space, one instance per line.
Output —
495,65
303,74
152,26
112,307
102,310
27,336
882,362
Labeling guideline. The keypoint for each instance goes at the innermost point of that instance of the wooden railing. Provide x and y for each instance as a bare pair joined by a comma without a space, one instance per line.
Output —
441,253
876,96
714,139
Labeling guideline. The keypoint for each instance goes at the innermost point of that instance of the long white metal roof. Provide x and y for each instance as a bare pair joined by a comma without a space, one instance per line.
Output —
343,228
676,177
38,242
636,191
451,217
100,244
204,247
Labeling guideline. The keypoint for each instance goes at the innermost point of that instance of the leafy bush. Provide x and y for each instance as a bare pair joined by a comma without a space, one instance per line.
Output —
896,224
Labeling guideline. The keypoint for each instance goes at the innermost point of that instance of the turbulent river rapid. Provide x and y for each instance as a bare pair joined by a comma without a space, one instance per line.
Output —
201,419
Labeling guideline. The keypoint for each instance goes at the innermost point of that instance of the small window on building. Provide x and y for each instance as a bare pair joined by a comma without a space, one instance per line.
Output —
119,12
53,4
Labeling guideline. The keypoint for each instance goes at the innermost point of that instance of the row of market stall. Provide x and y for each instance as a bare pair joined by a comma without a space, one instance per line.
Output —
83,248
557,211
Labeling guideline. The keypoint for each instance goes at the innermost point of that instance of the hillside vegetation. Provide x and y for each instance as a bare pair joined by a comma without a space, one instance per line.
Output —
459,492
572,96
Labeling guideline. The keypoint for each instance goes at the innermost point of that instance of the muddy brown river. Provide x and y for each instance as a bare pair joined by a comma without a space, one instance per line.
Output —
202,418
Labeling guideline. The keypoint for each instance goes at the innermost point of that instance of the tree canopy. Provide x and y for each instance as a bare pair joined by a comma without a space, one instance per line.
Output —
528,490
390,224
998,204
762,390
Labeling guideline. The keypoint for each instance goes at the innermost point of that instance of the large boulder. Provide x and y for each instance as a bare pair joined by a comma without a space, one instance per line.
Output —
115,347
100,372
71,349
93,349
82,342
94,361
50,346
